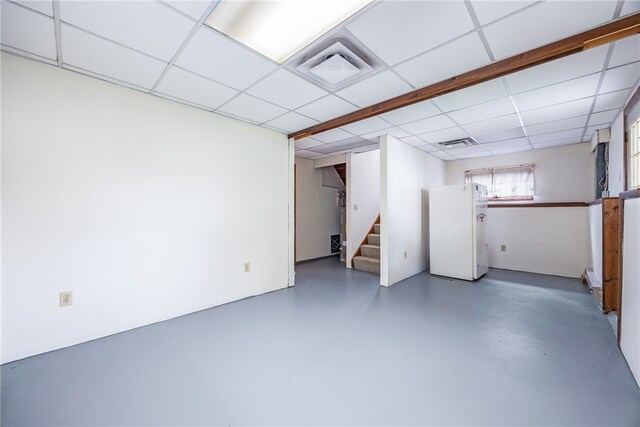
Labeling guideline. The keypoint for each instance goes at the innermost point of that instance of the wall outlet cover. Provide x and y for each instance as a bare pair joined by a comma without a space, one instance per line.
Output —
66,298
247,267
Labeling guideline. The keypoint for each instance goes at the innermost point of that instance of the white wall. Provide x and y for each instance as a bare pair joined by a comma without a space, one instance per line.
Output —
363,190
630,310
144,208
541,240
406,174
616,158
562,174
317,215
595,241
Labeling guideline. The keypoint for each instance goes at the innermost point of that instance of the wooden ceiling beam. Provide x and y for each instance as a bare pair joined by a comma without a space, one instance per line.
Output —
604,34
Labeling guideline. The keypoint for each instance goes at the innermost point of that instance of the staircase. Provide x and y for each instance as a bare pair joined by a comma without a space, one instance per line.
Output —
367,257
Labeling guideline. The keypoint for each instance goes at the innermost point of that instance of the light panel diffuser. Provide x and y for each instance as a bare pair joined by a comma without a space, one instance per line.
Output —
280,28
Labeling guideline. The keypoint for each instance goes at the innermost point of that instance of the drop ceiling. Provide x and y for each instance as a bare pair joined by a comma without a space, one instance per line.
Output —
164,49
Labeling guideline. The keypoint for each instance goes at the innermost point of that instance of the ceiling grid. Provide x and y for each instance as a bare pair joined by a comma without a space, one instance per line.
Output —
531,109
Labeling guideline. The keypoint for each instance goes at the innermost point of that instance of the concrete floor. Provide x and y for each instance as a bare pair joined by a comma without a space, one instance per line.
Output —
512,349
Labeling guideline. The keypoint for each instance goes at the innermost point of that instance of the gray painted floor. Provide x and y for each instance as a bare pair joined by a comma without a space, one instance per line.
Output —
512,349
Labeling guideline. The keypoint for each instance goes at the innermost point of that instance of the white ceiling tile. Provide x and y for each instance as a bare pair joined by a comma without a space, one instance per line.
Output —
305,154
629,7
444,135
146,26
502,135
428,148
510,150
488,10
44,6
556,126
457,57
342,146
291,122
565,110
430,124
611,100
193,88
394,131
508,143
193,8
413,140
569,67
374,89
488,110
545,23
442,155
398,30
327,108
472,155
603,117
457,151
26,30
558,143
483,92
332,135
620,78
101,56
582,87
305,143
576,134
411,113
491,126
625,51
365,126
287,90
215,56
247,107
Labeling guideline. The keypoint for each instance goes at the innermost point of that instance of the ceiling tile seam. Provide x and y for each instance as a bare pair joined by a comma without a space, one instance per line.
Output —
476,24
321,98
185,42
618,9
468,33
605,68
113,41
178,11
411,85
57,28
182,101
102,77
8,49
417,135
506,86
27,8
186,70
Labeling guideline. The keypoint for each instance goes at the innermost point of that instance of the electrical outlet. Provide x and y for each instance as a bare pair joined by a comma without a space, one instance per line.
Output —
503,248
355,207
66,298
247,267
405,254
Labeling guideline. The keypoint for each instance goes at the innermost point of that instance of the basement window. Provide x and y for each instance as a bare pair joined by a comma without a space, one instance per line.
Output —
505,183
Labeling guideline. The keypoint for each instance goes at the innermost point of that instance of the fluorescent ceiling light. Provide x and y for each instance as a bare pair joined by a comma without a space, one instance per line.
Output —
280,28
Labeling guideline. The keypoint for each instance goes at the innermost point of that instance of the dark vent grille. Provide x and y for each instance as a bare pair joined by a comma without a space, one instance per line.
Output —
462,141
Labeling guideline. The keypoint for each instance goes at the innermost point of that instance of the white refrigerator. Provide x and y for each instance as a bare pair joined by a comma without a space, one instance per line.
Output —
458,231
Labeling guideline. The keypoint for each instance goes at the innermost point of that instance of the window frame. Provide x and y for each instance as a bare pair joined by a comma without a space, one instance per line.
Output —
504,168
635,99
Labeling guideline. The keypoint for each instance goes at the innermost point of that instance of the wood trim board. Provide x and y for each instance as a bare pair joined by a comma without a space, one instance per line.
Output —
540,205
607,33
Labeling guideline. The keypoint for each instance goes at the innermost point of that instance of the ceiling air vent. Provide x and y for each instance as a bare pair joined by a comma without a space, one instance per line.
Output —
335,65
462,141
